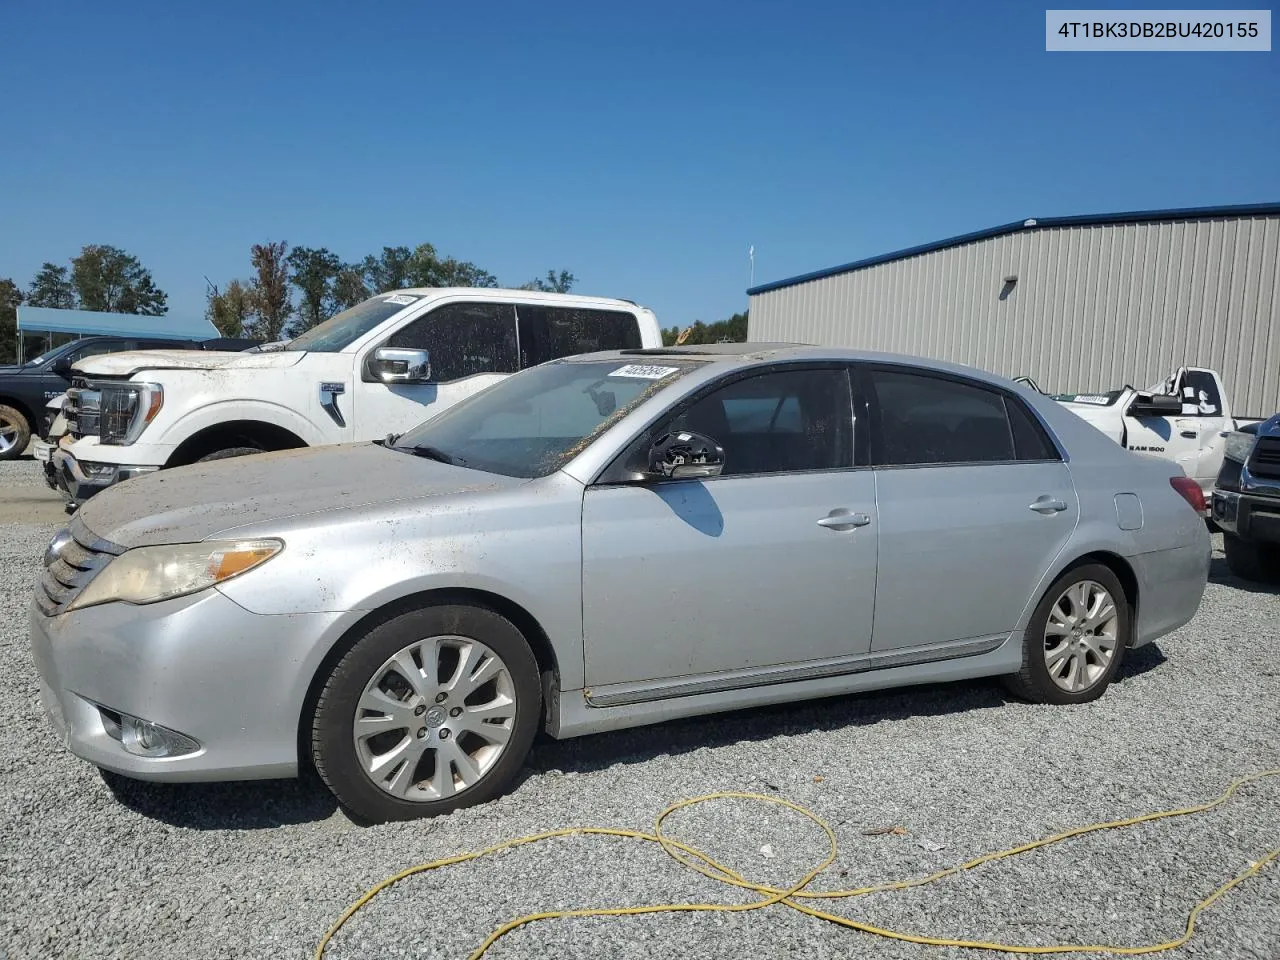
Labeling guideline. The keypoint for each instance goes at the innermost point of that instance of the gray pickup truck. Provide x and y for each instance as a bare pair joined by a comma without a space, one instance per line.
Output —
1246,501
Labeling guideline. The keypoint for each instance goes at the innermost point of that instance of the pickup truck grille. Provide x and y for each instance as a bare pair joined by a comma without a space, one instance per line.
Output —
79,560
82,410
1265,461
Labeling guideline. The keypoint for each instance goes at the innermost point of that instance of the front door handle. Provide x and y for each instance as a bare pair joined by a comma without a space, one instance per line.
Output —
1047,505
1189,434
842,519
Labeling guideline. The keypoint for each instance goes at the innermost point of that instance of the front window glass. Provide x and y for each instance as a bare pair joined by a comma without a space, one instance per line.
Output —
532,423
784,422
463,339
345,328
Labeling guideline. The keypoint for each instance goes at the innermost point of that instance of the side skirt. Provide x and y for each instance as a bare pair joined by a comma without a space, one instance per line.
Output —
576,712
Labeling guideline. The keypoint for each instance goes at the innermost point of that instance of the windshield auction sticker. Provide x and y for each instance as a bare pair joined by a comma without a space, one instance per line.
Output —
644,371
1187,31
400,298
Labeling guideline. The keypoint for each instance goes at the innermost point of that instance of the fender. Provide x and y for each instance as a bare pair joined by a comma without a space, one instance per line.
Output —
563,628
1088,537
223,412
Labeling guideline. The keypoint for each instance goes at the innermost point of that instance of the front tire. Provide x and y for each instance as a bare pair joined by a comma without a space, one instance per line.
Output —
15,433
1076,639
1250,560
428,712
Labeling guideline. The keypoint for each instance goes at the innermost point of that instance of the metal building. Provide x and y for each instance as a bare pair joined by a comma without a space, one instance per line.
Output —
1078,303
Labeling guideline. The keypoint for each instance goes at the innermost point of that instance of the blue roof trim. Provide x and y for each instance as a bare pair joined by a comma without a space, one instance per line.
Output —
90,322
1135,216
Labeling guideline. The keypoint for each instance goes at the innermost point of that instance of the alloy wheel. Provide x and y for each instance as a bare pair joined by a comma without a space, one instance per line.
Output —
434,718
8,434
1081,636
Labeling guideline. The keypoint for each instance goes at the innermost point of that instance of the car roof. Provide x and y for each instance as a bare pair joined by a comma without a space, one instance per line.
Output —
749,353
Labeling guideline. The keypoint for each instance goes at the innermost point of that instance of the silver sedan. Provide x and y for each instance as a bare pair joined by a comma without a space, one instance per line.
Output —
601,542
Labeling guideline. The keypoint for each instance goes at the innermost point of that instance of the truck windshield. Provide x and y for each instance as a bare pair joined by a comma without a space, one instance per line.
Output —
50,354
534,422
343,329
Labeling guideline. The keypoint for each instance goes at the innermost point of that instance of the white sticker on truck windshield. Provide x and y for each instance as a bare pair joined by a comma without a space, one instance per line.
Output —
644,371
399,298
1091,398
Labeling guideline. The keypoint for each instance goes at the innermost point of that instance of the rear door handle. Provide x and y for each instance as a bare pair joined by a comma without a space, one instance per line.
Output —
842,519
1048,505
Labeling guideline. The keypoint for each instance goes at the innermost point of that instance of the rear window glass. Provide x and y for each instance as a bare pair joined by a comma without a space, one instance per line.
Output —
925,419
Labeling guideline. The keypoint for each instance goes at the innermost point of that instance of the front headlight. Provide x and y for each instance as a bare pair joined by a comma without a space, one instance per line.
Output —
1239,446
149,574
126,409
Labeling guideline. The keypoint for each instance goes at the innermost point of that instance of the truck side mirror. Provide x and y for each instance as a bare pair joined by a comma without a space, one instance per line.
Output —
1157,405
683,455
395,365
62,366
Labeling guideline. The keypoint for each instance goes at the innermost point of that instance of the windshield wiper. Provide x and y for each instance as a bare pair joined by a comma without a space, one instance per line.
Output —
435,453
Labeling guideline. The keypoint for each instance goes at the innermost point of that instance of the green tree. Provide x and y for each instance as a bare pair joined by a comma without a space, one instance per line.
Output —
427,269
313,271
231,310
733,330
52,288
269,290
389,270
463,273
349,287
561,282
10,297
108,279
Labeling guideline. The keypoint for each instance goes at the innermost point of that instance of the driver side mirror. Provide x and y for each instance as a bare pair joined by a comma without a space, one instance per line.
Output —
394,365
1157,405
62,366
683,455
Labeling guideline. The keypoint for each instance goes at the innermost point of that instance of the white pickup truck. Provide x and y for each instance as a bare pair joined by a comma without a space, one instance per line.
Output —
1186,419
380,367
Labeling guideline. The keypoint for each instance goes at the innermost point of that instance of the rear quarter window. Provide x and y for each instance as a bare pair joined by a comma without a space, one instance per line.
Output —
549,333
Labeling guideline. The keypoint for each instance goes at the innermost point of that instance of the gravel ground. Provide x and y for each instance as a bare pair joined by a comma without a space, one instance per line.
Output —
262,869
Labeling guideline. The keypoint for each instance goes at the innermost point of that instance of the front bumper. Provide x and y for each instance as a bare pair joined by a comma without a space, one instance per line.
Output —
1247,516
79,481
233,681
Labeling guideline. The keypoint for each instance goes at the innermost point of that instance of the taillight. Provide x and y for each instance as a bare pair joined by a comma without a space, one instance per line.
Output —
1190,491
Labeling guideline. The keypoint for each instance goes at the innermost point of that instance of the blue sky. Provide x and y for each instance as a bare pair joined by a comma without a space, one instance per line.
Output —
642,146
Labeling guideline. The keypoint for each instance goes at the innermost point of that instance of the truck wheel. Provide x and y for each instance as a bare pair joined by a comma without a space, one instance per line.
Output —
1249,560
230,452
15,433
430,711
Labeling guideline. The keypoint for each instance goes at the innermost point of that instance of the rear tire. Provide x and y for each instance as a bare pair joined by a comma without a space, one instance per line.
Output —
230,452
1250,560
15,433
1068,655
428,746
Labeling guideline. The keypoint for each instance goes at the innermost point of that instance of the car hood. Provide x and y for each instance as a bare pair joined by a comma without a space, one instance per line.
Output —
127,364
193,503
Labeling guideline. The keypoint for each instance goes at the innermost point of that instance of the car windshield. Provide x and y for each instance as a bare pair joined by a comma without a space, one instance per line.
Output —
532,423
345,328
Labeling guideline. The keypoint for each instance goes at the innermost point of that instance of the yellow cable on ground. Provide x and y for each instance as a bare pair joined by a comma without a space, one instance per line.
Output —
795,895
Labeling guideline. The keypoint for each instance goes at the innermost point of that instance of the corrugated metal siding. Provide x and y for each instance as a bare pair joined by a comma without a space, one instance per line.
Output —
1094,307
